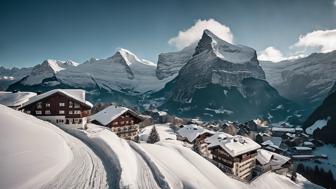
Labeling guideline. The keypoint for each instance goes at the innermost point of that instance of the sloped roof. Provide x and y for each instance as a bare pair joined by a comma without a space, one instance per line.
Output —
77,94
192,131
274,159
110,113
233,145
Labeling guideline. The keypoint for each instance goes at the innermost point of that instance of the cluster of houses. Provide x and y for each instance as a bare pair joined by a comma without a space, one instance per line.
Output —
236,155
69,107
241,150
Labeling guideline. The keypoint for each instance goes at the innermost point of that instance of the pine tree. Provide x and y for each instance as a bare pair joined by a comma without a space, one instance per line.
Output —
153,136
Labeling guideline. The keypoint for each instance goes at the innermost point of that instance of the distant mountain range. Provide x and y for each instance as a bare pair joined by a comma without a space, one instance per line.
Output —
210,79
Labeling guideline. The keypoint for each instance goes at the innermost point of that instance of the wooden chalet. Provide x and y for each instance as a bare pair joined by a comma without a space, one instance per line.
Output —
66,107
235,155
121,120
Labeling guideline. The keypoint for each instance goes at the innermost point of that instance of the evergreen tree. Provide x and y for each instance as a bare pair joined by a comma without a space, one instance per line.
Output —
153,136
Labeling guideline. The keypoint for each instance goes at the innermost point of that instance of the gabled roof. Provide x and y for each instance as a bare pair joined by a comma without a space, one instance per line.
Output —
192,131
15,99
274,159
233,145
76,94
110,113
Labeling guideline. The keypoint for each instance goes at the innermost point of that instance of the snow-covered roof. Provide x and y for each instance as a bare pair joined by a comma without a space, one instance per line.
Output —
162,113
77,94
110,113
234,145
15,99
192,131
307,143
302,148
283,129
273,141
265,157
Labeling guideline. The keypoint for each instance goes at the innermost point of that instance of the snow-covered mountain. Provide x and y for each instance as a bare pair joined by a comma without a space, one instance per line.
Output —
123,72
47,69
217,62
222,80
9,76
306,80
169,64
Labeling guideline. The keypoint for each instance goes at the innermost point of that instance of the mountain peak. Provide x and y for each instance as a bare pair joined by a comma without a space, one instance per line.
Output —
55,65
225,50
131,59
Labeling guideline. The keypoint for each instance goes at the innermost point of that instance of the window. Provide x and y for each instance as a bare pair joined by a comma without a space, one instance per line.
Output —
70,112
115,123
47,112
61,112
38,112
77,112
122,122
39,105
70,104
61,104
77,105
47,105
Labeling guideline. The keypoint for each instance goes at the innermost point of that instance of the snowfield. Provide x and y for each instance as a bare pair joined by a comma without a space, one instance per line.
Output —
319,124
37,154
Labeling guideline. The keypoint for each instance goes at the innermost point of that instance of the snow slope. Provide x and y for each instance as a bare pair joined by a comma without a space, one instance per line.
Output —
165,132
37,154
31,152
123,72
15,99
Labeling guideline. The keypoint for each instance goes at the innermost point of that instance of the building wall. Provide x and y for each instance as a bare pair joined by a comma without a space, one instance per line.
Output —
126,126
59,109
240,166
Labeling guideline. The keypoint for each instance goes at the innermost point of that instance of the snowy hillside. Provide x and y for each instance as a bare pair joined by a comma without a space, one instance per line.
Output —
15,99
167,164
306,80
37,154
123,72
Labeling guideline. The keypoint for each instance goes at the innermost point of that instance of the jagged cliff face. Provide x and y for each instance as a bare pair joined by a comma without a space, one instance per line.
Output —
216,62
169,64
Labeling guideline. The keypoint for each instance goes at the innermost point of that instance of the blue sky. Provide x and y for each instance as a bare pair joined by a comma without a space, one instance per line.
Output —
34,30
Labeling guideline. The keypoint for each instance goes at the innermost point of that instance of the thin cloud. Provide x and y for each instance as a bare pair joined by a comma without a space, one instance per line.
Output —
194,33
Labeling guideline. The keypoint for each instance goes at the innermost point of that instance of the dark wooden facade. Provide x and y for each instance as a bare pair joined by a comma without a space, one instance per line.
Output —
125,126
52,106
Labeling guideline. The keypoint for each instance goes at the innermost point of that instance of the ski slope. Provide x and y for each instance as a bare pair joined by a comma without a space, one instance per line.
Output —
37,154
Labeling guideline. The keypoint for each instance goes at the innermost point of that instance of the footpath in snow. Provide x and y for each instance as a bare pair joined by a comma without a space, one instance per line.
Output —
37,154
